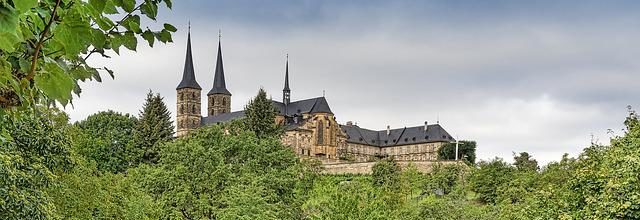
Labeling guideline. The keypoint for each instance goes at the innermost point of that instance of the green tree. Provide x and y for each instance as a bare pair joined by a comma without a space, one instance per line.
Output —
488,176
86,193
261,116
36,149
524,162
213,175
385,173
153,127
444,178
106,137
466,151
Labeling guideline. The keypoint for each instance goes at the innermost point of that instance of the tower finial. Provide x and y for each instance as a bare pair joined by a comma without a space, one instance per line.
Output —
189,26
219,34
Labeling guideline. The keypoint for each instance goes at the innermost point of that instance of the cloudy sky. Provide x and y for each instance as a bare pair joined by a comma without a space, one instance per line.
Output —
546,77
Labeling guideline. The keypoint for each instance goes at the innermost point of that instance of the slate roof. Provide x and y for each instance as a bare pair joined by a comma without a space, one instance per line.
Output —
188,75
396,137
313,105
219,85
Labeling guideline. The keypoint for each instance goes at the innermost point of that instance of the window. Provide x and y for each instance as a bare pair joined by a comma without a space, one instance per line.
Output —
426,137
193,109
193,95
320,132
406,139
181,96
181,109
413,139
224,101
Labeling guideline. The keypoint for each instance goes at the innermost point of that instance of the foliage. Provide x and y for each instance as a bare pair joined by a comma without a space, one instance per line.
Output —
385,173
44,45
153,127
36,150
261,116
466,151
525,162
86,193
239,176
488,176
106,137
443,179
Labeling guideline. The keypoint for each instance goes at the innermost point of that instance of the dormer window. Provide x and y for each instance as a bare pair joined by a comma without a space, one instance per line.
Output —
413,139
406,139
426,137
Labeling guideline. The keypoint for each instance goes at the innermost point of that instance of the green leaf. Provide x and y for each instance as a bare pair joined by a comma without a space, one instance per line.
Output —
128,5
54,82
133,24
130,41
148,36
73,34
8,28
99,39
164,36
98,5
25,5
170,27
168,3
110,8
150,9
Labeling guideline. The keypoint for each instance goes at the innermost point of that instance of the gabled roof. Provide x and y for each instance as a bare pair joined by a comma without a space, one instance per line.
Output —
313,105
396,137
188,75
219,85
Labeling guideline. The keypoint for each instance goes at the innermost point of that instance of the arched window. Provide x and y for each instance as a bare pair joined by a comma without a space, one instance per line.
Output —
181,96
193,109
224,101
320,132
193,95
181,109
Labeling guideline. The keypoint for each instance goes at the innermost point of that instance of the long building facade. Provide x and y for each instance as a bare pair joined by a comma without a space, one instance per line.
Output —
311,129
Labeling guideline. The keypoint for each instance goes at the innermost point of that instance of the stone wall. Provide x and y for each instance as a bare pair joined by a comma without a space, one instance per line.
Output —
365,167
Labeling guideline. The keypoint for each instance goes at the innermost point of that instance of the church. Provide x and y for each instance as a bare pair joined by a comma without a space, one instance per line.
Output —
311,129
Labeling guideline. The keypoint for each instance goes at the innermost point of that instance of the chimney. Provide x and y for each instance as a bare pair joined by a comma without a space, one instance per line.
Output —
426,126
349,123
388,130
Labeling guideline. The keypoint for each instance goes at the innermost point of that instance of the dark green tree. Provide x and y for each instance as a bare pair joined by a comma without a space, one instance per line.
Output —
488,177
466,151
524,162
385,173
106,137
37,148
261,116
154,127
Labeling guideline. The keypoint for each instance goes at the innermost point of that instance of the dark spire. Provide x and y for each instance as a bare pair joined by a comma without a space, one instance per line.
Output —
286,76
219,86
286,92
188,76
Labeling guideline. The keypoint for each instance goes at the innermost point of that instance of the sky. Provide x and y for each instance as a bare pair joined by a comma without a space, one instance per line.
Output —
545,77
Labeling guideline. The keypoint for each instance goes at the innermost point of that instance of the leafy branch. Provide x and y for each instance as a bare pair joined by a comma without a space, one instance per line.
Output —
34,60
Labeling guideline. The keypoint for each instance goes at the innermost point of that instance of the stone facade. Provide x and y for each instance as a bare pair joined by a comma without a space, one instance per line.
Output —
365,167
188,110
218,104
318,136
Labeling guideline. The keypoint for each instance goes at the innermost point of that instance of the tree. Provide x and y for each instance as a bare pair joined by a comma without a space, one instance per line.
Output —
213,174
524,162
106,137
36,149
261,116
466,151
154,126
45,45
385,173
488,176
444,178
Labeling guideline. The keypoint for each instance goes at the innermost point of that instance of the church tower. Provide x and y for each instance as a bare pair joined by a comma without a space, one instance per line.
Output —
188,91
286,92
219,98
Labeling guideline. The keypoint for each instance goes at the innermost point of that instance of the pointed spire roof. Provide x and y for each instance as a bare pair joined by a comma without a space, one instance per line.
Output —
219,86
286,76
188,75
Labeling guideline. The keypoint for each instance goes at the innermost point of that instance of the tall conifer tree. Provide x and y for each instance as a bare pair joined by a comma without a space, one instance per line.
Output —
154,127
260,116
